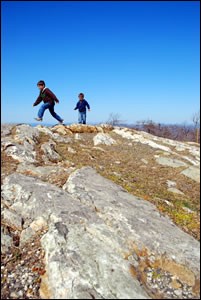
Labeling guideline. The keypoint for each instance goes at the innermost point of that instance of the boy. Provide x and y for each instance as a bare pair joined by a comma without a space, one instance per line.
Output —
49,100
81,106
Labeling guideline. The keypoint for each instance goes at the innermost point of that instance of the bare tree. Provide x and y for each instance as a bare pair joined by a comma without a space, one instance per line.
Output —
196,121
114,119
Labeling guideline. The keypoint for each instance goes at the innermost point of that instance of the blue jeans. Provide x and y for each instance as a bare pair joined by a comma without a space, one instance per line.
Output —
51,110
82,117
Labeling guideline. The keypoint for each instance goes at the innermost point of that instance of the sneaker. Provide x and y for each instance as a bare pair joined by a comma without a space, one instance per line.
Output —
38,119
62,122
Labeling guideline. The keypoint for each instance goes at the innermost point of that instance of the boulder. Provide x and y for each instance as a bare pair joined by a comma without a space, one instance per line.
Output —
170,162
103,138
50,153
27,133
22,153
193,173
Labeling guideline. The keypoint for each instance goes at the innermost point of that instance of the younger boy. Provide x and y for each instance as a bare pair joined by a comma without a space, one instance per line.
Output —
81,106
49,100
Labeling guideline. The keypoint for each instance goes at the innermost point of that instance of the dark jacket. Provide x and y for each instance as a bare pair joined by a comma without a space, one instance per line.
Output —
81,105
46,96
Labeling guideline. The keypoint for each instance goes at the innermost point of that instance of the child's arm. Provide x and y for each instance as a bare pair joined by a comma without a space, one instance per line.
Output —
52,95
88,106
76,106
38,100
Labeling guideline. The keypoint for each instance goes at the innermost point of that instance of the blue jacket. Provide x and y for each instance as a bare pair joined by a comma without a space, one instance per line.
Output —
81,106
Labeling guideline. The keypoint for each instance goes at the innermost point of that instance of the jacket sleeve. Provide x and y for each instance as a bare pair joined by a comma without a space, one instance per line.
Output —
52,95
38,100
76,106
87,104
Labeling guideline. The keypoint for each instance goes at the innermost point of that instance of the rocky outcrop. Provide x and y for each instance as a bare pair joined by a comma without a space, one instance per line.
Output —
99,237
98,240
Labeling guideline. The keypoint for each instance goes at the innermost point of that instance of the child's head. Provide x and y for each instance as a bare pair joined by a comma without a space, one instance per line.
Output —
41,85
81,96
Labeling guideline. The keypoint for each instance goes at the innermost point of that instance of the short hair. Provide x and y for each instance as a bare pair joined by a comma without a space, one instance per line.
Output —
81,94
41,82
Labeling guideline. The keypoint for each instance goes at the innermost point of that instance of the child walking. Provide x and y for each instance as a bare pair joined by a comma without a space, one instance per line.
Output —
81,106
49,100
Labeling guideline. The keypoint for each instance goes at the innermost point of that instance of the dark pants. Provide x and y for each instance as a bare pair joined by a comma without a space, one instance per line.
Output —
51,110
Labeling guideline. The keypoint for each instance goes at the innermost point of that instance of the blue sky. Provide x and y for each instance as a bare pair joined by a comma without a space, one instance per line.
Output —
138,59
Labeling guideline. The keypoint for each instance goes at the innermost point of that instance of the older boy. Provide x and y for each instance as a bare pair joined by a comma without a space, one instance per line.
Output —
49,100
81,106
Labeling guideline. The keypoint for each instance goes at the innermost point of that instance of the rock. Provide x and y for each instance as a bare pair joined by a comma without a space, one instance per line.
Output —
61,129
98,148
47,173
170,162
144,161
175,191
49,151
171,183
71,150
80,128
26,235
193,173
12,219
6,129
92,225
6,242
22,153
114,204
140,137
67,244
78,136
103,138
26,133
38,224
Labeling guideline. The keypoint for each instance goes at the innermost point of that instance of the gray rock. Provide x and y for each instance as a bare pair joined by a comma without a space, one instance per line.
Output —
22,153
6,242
170,162
171,183
137,220
44,172
26,235
92,224
49,151
175,191
193,173
13,219
54,136
6,129
27,133
103,138
78,261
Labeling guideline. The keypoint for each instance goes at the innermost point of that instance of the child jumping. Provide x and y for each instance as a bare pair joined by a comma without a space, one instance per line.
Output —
81,106
49,100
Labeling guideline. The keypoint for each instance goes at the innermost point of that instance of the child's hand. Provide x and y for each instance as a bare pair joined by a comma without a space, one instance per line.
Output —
89,109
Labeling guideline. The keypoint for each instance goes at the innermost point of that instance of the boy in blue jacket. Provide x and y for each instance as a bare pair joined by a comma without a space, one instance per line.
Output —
81,106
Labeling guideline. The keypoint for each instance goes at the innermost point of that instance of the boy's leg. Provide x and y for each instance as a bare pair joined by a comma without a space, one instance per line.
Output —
84,118
51,110
42,110
79,117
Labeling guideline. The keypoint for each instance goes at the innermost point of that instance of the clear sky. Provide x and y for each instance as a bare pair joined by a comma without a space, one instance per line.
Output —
138,59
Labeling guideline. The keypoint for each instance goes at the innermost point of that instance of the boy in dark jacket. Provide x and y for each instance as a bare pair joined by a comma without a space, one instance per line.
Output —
49,100
81,106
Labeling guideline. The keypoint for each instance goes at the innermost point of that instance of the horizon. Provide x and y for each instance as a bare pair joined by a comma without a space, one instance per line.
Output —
136,59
